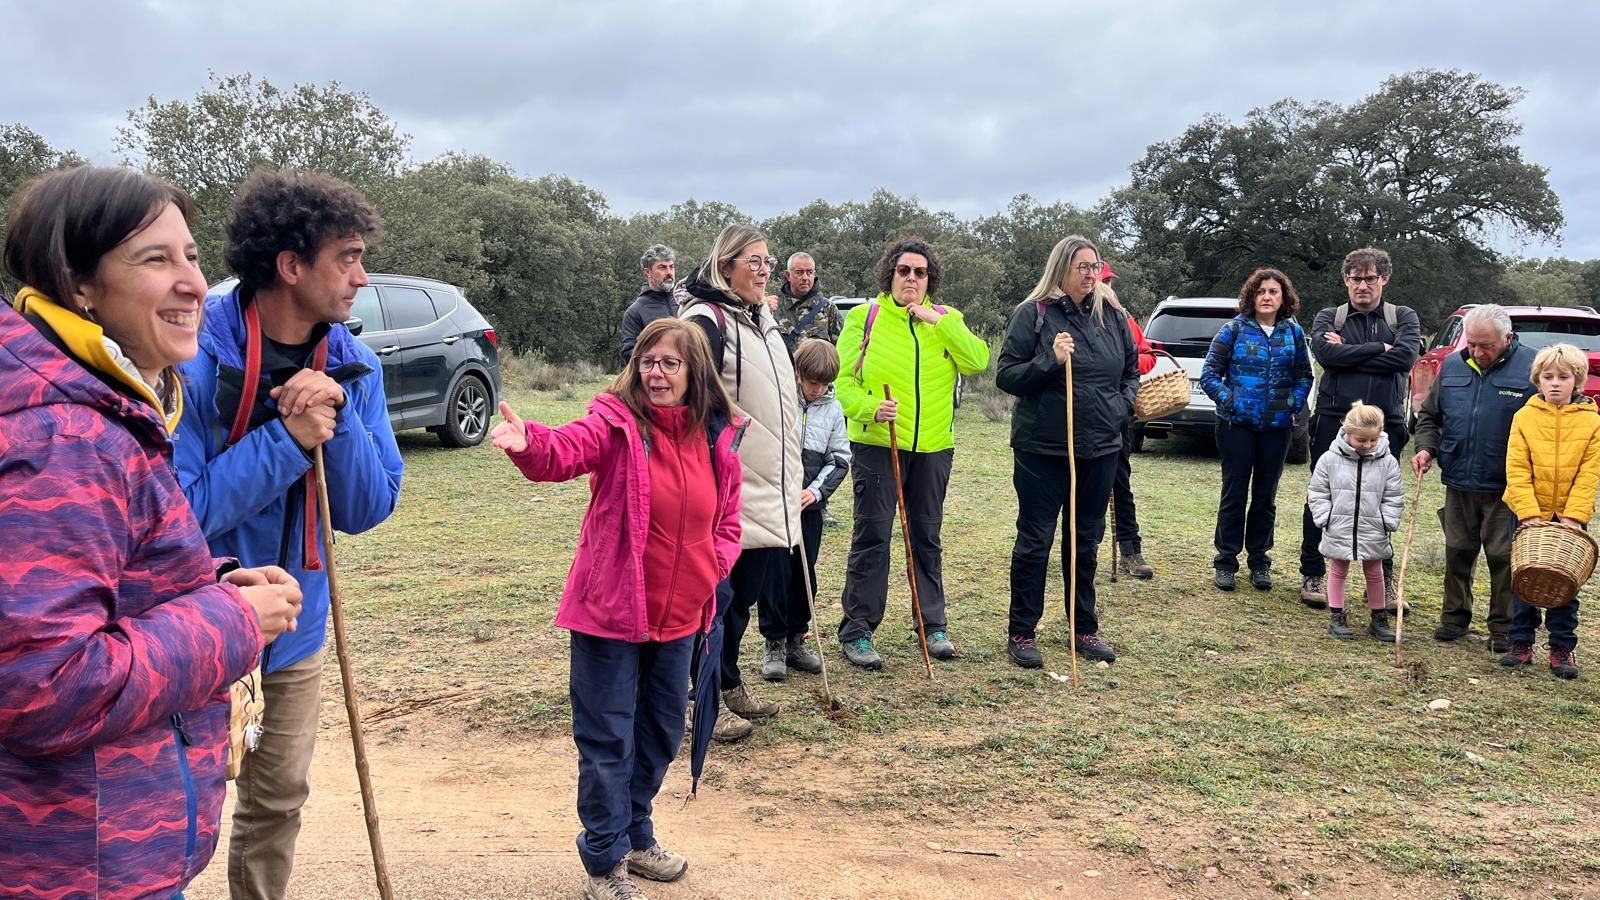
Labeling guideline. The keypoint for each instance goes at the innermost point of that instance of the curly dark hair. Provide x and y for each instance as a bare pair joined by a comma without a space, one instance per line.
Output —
299,211
1367,258
891,258
1247,294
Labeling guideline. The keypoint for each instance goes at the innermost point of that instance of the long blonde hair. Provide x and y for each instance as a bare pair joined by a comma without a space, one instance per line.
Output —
1055,274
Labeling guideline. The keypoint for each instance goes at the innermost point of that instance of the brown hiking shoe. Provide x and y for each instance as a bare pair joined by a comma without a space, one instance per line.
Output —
657,864
615,886
1134,564
730,727
1314,592
746,704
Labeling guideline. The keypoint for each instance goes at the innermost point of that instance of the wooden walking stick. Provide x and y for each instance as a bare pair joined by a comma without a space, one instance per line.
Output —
369,804
816,628
1400,576
905,532
1072,531
1116,548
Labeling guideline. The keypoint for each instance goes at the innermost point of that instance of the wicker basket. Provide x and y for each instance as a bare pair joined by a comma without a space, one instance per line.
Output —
1549,562
1164,394
249,704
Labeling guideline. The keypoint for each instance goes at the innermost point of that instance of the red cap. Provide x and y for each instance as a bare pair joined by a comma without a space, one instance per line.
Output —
1106,274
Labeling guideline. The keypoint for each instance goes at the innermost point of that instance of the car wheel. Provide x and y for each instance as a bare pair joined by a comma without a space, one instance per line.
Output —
466,414
1299,447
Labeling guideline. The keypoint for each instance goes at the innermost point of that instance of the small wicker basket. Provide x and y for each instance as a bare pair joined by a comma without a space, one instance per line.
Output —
1549,562
248,707
1163,394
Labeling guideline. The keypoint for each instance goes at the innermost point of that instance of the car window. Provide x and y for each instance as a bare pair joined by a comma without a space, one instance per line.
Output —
407,307
367,310
1194,326
443,302
1448,334
1537,333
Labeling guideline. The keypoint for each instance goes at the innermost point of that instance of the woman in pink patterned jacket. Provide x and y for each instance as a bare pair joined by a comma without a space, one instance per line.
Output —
118,641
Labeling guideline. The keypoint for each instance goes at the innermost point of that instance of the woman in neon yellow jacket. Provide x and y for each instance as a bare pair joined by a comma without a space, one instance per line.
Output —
906,341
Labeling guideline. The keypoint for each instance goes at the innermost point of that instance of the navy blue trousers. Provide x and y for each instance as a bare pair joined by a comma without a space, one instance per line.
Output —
627,719
1561,624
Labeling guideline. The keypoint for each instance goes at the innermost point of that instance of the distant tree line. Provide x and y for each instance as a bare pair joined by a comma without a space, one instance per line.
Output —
1427,167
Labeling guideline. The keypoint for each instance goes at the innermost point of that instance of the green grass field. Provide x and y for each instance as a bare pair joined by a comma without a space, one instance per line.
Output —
1232,732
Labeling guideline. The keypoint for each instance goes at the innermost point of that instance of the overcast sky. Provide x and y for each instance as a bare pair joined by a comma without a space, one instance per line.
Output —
770,105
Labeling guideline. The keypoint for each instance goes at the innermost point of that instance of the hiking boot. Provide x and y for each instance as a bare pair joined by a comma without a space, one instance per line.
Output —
1563,664
939,646
1024,651
1261,579
1224,580
1378,626
799,656
657,864
746,704
1091,647
1499,643
828,521
730,727
1391,597
1314,592
773,666
1339,626
1132,563
1520,654
615,886
861,654
1446,633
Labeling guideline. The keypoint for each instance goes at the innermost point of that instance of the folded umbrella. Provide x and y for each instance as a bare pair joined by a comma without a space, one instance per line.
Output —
707,690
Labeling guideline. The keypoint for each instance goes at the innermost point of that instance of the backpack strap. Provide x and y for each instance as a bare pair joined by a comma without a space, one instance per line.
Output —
805,320
1340,315
1391,317
866,335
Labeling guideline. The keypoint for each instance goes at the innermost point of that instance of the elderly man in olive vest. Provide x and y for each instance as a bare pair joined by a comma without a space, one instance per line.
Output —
1464,425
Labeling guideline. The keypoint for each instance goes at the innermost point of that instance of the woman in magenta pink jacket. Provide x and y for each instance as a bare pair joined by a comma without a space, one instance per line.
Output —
662,530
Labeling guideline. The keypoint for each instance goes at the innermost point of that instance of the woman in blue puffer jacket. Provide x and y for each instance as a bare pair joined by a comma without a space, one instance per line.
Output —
1258,372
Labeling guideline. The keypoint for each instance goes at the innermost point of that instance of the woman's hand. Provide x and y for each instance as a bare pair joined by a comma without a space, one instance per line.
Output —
510,435
277,603
886,411
1063,347
924,313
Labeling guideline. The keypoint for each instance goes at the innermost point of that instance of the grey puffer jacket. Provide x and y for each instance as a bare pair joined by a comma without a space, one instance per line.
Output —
1357,500
824,445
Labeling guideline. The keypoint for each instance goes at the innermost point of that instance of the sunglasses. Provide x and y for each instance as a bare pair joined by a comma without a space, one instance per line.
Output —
905,271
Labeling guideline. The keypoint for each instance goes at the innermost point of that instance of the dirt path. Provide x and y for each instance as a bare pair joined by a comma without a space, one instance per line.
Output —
470,815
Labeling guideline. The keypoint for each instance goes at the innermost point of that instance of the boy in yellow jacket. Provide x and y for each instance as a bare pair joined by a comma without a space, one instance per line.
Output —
1552,470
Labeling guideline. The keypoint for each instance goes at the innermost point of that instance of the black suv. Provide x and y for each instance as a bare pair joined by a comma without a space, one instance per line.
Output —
441,367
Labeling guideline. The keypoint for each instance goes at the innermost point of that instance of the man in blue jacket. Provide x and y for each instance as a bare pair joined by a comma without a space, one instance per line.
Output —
1465,424
279,375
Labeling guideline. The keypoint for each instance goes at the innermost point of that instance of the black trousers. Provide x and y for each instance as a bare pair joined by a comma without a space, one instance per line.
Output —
760,578
811,539
924,477
1127,524
1252,464
1043,484
1322,431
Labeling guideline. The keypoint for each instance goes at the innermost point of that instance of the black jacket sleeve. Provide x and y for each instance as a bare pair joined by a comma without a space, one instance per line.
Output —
1024,368
631,326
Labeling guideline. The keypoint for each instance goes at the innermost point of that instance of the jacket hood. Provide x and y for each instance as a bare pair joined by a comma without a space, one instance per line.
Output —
1343,448
813,294
80,365
1581,404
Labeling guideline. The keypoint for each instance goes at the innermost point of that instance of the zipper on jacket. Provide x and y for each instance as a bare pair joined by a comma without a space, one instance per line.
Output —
1355,524
916,383
1555,480
181,742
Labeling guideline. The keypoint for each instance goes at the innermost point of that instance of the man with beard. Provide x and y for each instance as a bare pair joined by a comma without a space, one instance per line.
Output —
802,311
655,298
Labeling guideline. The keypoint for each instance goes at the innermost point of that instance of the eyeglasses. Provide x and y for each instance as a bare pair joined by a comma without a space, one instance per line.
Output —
669,364
755,263
1094,268
905,271
1363,279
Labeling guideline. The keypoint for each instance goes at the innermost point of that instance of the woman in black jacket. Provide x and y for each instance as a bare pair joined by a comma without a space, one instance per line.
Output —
1064,318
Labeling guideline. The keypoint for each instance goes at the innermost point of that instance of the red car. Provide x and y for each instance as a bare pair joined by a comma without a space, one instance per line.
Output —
1535,326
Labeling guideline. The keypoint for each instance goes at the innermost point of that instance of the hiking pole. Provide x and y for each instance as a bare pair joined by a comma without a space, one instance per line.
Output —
816,628
1072,530
905,532
1400,576
1116,546
369,803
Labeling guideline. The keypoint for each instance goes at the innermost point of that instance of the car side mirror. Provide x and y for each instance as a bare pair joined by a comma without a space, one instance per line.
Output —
355,325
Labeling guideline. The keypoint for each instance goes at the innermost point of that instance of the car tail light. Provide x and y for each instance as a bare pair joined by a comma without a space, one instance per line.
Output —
489,333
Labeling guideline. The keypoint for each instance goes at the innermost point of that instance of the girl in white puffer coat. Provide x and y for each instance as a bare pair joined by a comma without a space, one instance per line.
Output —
1357,497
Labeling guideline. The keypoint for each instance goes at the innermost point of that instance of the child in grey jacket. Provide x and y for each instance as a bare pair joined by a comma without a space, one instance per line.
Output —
1357,498
825,458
